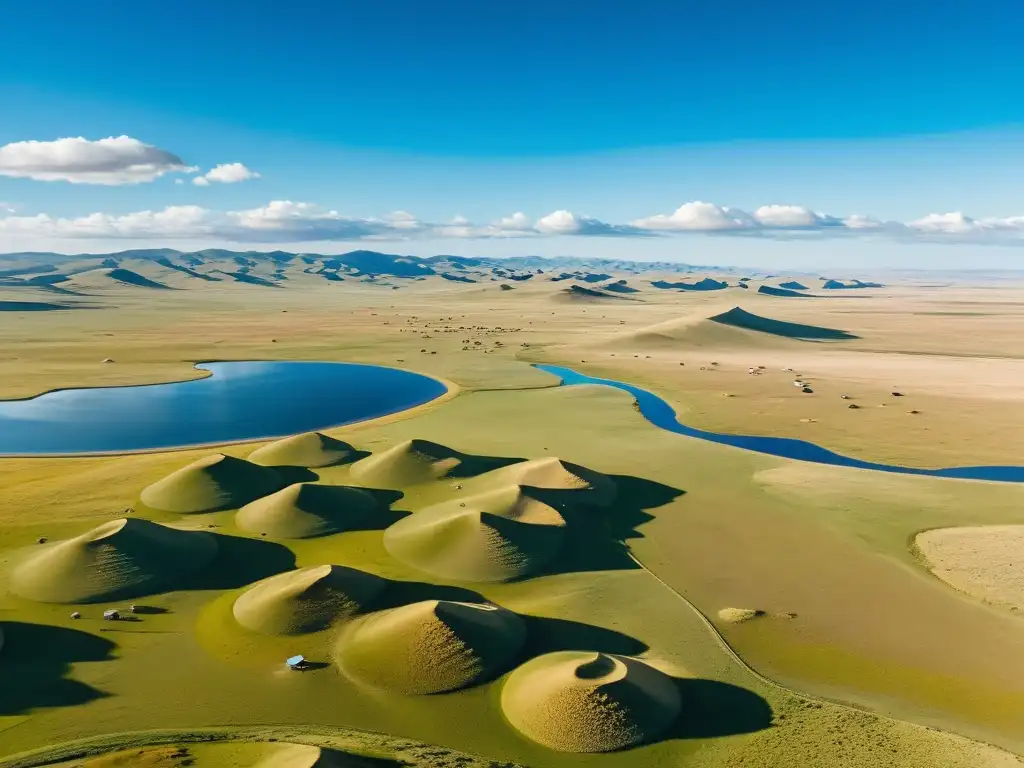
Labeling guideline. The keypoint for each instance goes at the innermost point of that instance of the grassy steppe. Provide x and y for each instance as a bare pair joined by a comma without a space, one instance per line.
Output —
850,616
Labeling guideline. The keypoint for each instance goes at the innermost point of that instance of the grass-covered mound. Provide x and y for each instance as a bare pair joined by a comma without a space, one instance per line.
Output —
310,449
306,600
408,463
211,483
494,536
431,646
120,559
553,474
306,510
580,701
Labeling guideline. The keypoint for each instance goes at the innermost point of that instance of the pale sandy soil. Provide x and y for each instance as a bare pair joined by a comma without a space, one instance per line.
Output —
986,562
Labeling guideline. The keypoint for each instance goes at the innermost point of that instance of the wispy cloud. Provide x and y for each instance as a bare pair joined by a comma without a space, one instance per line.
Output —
287,221
111,161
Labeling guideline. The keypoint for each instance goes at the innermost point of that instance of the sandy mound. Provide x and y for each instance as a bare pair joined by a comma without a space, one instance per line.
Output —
739,615
311,449
304,756
119,559
580,701
553,474
408,463
495,536
211,483
306,600
986,562
306,510
430,647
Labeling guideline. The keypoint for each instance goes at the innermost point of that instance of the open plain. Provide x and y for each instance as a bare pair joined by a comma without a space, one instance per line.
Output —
519,573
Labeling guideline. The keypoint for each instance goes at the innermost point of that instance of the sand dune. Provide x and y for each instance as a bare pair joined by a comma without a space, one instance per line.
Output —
311,449
122,558
555,475
307,510
731,328
211,483
408,463
495,536
582,293
740,318
306,600
580,701
771,290
430,647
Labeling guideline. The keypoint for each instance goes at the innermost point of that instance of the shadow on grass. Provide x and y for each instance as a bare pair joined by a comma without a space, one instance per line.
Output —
546,635
596,536
35,660
241,561
711,709
291,475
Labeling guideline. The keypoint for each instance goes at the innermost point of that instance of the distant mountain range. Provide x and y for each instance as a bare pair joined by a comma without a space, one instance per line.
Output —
369,262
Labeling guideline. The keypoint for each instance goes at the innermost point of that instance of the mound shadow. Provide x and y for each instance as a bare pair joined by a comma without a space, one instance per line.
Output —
596,537
34,306
34,662
713,709
546,635
291,474
241,561
399,593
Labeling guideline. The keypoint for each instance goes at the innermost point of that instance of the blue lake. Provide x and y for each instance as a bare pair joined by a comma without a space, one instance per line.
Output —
661,414
239,401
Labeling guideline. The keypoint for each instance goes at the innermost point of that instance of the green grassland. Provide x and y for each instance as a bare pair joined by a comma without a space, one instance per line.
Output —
860,658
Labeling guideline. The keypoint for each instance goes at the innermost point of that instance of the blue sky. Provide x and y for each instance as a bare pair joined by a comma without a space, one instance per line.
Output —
907,116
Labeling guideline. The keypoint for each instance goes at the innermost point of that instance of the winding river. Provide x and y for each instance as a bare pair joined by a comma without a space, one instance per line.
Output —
661,414
239,401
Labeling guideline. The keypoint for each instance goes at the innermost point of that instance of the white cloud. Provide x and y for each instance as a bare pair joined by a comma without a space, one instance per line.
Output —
111,161
7,207
225,173
282,221
697,216
794,217
564,222
517,222
954,223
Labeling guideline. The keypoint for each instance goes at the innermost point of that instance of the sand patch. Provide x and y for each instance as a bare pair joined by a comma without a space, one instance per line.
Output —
986,562
739,615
